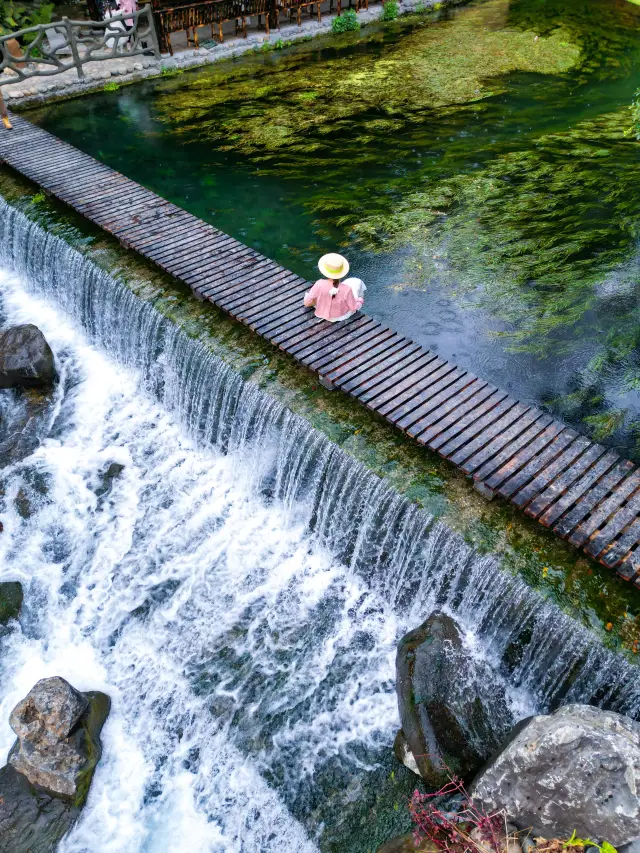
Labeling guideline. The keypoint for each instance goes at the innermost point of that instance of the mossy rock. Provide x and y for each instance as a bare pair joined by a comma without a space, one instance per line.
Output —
90,727
11,596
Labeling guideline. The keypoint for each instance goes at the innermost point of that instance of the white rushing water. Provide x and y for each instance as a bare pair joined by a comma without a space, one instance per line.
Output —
238,589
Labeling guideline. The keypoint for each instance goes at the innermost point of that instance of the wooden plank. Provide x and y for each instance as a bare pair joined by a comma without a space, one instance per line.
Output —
597,487
558,488
543,430
620,519
245,271
378,375
554,440
335,347
109,192
620,549
317,339
120,223
452,401
289,287
346,347
371,365
266,319
459,411
434,395
268,283
312,333
175,233
140,220
379,344
192,238
466,449
249,288
576,492
603,508
500,453
454,438
564,461
226,260
139,234
294,321
406,390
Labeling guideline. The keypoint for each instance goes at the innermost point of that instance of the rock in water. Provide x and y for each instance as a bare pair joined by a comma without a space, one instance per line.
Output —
58,742
10,601
452,708
46,782
26,359
31,819
578,769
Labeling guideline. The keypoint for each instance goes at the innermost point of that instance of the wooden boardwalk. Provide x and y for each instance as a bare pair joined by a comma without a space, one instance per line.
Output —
582,491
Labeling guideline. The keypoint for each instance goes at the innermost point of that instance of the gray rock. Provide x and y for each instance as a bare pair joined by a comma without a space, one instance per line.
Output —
10,601
56,747
31,819
452,708
578,769
26,359
34,819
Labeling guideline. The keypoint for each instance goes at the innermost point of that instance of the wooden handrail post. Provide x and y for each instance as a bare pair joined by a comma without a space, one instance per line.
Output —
71,38
272,13
152,30
4,115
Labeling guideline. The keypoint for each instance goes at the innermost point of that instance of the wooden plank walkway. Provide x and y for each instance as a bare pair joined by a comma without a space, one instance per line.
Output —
583,492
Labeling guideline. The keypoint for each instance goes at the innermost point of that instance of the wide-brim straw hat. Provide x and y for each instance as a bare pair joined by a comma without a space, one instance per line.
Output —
333,266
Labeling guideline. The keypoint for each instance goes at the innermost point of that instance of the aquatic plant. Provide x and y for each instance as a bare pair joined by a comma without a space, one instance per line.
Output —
390,11
346,22
111,87
635,115
166,71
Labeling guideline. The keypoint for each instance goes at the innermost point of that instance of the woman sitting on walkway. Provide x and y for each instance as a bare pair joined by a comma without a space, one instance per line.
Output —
333,300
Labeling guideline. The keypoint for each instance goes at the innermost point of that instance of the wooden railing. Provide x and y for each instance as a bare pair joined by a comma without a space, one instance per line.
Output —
214,13
50,49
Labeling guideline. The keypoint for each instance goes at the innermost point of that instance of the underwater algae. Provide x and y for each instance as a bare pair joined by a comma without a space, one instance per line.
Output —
257,108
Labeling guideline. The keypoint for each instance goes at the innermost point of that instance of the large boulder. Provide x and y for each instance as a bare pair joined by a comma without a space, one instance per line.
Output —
452,707
26,359
10,601
58,742
32,820
46,782
578,769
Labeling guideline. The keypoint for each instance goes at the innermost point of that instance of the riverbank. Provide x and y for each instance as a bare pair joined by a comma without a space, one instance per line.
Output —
583,589
113,73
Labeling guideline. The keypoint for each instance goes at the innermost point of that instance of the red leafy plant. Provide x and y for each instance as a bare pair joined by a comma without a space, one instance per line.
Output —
463,828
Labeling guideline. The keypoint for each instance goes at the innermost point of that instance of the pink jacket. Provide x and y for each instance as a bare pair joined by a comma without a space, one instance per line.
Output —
338,307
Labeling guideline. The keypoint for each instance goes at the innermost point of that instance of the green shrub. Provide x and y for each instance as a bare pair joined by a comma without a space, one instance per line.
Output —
346,22
390,11
19,16
111,87
436,7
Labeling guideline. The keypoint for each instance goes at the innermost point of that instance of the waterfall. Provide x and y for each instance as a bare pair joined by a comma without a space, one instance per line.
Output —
290,568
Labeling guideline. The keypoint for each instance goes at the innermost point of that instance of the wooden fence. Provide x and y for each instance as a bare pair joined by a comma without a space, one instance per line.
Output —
188,17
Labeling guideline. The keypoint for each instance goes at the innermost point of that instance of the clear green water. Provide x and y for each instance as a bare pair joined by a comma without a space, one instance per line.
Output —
476,169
